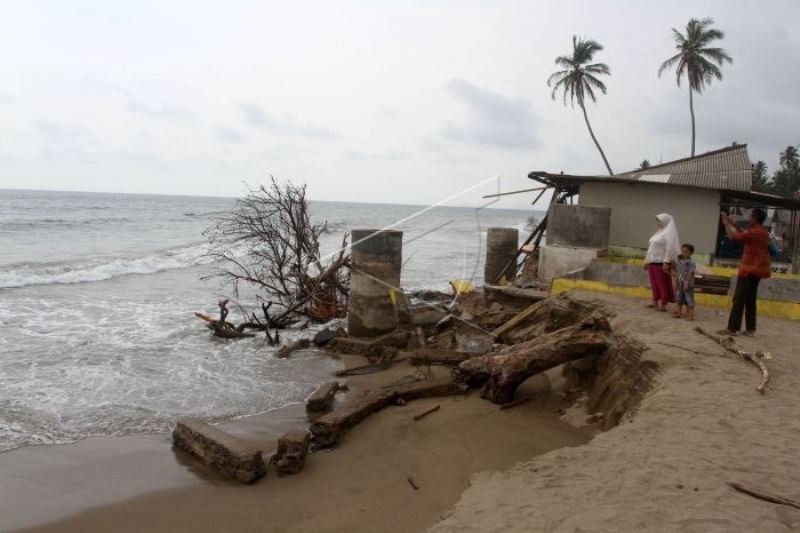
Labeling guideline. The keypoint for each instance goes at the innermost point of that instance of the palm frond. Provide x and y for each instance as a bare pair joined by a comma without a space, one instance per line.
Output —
598,68
591,81
666,65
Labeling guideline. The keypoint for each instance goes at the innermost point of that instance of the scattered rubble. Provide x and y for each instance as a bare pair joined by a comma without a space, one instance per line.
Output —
292,451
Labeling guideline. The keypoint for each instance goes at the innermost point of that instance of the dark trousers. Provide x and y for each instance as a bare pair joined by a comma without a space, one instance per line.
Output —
744,300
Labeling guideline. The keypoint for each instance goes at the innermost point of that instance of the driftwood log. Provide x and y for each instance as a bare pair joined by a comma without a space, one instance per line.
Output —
431,356
221,327
501,373
730,345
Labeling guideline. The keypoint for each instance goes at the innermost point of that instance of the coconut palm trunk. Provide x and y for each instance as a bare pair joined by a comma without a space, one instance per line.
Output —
691,111
597,144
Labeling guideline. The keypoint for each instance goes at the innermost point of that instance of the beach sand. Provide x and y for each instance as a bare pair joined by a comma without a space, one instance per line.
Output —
664,468
141,484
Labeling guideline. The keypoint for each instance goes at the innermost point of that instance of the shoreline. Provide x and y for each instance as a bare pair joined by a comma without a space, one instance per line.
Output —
107,475
664,467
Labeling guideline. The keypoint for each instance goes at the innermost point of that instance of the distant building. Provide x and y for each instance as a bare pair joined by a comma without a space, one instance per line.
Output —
693,190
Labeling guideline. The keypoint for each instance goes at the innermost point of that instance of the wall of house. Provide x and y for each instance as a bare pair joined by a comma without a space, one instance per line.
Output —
634,207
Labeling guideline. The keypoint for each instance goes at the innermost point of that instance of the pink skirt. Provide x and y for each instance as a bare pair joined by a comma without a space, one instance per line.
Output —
661,284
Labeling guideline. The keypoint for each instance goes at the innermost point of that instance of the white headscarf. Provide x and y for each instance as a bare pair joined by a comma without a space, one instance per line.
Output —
668,235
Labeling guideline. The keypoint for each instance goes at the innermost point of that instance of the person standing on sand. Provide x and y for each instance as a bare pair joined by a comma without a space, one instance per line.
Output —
755,266
685,282
662,254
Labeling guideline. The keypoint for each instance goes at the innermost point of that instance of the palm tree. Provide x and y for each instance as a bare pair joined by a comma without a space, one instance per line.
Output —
695,59
578,78
789,158
760,177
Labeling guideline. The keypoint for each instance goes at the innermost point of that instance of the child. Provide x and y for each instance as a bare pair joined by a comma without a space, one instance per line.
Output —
685,282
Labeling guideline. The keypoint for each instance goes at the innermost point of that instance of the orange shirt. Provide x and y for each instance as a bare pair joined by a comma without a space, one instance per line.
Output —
755,258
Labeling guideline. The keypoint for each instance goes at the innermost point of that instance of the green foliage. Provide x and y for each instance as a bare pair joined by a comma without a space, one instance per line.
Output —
645,164
579,78
786,180
696,60
761,179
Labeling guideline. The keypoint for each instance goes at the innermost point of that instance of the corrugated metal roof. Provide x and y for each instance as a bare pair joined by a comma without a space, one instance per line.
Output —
728,169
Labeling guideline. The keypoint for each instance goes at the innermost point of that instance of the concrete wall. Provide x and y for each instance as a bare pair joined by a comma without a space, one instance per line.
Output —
619,274
634,207
578,226
556,261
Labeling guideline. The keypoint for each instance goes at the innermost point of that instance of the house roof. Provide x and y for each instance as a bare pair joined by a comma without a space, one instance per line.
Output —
728,169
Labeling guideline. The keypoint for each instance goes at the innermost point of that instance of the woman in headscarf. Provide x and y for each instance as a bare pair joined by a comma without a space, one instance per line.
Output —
662,254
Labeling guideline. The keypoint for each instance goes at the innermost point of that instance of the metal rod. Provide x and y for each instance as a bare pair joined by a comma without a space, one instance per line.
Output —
514,192
539,196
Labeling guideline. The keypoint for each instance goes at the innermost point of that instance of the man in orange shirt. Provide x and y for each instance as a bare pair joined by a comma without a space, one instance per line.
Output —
754,267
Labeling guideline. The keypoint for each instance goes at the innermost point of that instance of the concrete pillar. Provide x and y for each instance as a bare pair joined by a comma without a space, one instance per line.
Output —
501,250
376,255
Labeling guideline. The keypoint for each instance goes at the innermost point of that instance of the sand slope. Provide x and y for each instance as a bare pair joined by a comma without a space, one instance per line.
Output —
666,470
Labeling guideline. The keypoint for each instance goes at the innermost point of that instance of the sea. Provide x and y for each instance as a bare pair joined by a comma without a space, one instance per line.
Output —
97,298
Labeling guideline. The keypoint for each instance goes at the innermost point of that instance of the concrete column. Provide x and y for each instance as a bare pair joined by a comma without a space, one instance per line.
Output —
501,250
377,258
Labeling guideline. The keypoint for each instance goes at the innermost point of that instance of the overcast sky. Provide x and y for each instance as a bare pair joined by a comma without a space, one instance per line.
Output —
385,101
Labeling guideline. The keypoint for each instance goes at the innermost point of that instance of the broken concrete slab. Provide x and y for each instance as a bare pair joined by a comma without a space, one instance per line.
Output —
219,450
379,347
322,398
292,451
329,429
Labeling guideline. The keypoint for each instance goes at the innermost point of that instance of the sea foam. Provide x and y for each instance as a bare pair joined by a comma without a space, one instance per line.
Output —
23,275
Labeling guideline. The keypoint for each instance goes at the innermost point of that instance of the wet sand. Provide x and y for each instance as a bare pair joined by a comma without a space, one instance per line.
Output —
141,484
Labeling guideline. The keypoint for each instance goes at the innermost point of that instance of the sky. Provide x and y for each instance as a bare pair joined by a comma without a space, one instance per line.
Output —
374,100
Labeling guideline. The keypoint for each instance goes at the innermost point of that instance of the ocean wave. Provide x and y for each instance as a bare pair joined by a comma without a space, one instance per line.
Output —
49,223
23,275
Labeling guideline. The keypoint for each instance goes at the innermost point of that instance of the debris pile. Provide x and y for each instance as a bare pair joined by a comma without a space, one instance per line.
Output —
493,340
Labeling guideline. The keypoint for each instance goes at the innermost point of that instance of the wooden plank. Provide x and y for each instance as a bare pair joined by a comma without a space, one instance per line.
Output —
517,320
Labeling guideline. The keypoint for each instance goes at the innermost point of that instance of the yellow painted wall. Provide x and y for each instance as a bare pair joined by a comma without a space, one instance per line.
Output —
773,308
717,270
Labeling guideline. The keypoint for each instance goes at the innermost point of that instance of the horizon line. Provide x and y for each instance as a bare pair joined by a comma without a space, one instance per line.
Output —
528,208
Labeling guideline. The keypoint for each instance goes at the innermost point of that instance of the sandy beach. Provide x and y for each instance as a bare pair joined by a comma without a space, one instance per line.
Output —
141,483
664,468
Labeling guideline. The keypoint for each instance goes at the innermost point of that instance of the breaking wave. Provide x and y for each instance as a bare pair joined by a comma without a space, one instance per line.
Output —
23,275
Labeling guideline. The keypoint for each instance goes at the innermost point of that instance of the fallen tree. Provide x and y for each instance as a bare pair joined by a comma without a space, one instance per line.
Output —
502,372
269,242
